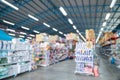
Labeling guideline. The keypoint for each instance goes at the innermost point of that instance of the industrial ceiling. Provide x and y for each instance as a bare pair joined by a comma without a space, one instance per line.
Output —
84,14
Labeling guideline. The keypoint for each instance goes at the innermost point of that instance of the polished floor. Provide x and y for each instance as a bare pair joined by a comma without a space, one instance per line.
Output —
65,71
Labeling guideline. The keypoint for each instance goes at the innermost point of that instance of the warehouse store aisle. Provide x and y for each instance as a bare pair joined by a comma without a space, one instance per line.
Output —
65,71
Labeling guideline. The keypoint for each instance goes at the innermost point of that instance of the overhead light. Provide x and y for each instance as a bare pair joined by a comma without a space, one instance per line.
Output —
82,36
8,22
25,28
113,3
74,27
36,19
98,36
11,30
9,4
60,32
32,35
23,33
46,24
55,29
70,21
21,36
63,11
11,34
77,31
104,23
36,31
107,16
64,34
102,29
29,37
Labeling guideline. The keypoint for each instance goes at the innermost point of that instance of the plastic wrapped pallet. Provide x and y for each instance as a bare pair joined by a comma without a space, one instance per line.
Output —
90,35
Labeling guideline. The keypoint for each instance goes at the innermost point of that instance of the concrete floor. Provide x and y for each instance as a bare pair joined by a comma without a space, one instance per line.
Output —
65,71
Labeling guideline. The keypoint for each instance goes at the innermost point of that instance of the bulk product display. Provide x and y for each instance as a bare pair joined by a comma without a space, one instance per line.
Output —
49,49
41,53
84,58
15,57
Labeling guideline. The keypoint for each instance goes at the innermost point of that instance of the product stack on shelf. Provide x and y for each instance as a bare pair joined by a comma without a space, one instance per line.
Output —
14,57
49,49
117,61
86,58
72,38
41,49
58,51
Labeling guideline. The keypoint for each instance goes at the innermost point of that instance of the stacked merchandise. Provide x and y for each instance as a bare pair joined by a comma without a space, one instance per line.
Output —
41,53
86,58
58,52
118,52
49,49
14,58
71,38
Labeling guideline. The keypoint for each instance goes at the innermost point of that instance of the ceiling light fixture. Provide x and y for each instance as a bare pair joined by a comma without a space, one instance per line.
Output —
21,36
104,23
113,3
74,27
11,34
77,31
29,37
60,32
82,36
70,21
102,29
46,24
11,30
23,33
107,16
25,28
64,34
32,35
8,22
36,31
9,4
63,11
36,19
55,29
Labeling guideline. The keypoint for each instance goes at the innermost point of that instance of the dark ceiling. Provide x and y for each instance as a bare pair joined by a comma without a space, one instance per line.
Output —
85,14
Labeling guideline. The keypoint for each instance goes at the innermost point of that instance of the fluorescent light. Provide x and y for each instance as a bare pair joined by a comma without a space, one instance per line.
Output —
113,3
74,27
64,34
70,21
11,30
8,22
36,31
82,36
60,32
63,11
23,33
102,29
98,36
9,4
11,34
32,35
25,28
36,19
29,37
107,16
21,36
46,24
55,29
77,31
104,23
